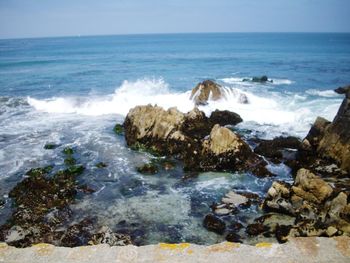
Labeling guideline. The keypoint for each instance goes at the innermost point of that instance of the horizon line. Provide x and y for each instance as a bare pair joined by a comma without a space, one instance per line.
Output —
176,33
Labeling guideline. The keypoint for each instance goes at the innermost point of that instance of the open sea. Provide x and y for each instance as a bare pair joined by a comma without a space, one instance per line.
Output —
71,91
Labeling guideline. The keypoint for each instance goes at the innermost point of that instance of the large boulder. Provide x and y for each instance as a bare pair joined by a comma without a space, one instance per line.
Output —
192,138
225,117
205,91
225,150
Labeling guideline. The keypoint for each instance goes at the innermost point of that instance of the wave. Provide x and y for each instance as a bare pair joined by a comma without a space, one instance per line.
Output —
322,93
290,113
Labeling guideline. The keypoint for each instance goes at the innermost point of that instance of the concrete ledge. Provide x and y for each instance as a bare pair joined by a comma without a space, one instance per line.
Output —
310,249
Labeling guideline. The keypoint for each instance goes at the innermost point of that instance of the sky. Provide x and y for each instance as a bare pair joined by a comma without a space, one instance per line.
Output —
46,18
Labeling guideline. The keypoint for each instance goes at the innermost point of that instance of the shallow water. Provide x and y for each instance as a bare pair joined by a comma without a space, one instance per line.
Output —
72,91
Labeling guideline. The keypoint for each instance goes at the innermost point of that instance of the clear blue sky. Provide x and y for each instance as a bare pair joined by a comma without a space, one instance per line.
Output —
36,18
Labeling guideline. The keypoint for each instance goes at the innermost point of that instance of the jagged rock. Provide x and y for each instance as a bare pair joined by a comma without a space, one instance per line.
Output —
214,224
205,91
225,118
225,150
316,133
184,136
310,187
155,128
256,229
329,140
317,207
336,140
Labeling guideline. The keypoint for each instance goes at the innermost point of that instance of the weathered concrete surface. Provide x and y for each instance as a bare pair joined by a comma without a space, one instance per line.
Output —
296,250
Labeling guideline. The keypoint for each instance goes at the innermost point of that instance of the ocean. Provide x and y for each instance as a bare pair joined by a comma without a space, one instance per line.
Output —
71,91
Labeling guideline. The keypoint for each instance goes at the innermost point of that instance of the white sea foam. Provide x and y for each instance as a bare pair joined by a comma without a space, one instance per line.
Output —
322,93
288,112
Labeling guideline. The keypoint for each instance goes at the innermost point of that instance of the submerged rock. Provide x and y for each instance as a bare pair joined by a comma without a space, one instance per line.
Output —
50,146
148,168
261,79
205,91
214,224
118,129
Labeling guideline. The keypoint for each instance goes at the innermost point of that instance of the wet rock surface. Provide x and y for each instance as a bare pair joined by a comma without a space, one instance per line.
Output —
42,214
206,90
193,138
318,208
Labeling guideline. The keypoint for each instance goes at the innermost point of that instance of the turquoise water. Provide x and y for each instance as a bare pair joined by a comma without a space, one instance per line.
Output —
71,91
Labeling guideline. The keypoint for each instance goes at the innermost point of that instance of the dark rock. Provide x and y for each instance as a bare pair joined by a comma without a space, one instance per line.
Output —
118,129
235,226
224,118
148,168
233,237
196,125
68,151
39,204
282,232
214,224
261,79
50,146
274,148
101,165
206,90
256,229
78,234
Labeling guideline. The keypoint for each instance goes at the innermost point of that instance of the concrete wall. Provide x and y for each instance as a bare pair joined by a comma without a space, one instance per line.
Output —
297,250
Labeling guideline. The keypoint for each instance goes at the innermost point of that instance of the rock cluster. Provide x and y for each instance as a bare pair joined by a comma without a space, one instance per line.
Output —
203,144
42,214
318,209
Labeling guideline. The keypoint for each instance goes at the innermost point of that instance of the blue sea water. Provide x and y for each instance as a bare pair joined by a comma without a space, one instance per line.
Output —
72,90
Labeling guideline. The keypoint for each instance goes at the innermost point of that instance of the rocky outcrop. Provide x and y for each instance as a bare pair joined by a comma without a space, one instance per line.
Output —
318,208
326,148
335,142
193,138
205,91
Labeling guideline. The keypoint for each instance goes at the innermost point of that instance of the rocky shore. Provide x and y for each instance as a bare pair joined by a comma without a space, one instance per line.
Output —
317,203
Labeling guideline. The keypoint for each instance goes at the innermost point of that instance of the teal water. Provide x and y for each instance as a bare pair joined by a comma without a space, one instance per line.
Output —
71,91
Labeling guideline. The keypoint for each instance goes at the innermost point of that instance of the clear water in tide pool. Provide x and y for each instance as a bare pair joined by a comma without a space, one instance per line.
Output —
72,91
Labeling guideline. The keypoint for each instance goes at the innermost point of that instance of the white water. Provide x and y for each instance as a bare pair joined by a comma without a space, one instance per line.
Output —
285,112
